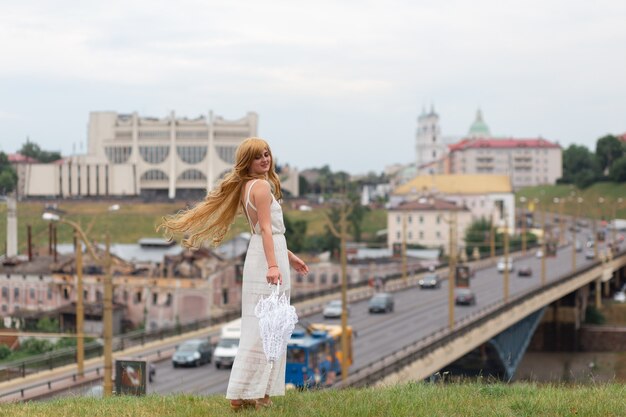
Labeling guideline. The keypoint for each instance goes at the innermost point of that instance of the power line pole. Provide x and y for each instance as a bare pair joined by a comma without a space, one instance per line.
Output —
342,235
506,259
544,237
107,320
80,309
451,267
492,240
404,269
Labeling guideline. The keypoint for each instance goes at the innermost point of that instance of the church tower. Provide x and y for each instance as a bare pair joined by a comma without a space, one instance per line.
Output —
428,142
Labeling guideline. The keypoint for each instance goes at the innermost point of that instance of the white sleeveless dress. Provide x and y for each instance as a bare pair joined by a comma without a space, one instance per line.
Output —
252,376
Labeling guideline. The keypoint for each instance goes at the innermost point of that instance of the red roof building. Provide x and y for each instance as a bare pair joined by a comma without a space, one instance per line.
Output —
18,158
528,162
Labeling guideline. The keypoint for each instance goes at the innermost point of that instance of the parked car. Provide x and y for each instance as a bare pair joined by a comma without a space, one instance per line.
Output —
509,265
430,280
539,253
590,253
381,302
464,296
193,352
333,310
525,271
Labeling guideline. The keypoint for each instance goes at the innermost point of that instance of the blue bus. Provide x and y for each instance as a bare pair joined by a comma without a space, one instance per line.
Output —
314,356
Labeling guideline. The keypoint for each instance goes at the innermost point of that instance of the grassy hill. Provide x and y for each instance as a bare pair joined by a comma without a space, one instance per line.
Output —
610,191
413,399
135,220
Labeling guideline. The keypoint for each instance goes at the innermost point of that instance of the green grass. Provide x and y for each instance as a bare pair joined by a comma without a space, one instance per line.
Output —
136,220
413,399
610,191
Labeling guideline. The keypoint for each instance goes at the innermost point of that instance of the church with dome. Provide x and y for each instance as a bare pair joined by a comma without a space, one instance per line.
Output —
527,161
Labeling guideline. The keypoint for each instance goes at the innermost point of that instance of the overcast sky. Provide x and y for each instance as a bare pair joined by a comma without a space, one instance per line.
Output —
334,82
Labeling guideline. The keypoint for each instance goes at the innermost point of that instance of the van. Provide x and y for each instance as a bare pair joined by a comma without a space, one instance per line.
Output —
226,349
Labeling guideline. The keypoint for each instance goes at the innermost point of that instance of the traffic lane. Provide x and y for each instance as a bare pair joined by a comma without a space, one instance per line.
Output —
204,379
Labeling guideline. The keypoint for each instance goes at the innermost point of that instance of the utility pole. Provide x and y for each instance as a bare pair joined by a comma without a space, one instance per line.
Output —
451,268
80,309
107,320
341,234
523,201
492,240
404,272
561,222
506,260
574,220
543,245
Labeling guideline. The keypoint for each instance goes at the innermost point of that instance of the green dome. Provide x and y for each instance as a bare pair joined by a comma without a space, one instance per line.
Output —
479,128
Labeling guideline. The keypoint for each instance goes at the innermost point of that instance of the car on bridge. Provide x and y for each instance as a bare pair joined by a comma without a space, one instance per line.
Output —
464,296
525,271
333,310
509,265
381,302
193,352
430,280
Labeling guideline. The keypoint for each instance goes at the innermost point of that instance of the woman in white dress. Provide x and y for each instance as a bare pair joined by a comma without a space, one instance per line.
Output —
253,186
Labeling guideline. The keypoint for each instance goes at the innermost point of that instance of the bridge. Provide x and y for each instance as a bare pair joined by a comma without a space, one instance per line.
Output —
415,341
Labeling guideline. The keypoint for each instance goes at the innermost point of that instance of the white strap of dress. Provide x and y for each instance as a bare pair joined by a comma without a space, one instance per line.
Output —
248,196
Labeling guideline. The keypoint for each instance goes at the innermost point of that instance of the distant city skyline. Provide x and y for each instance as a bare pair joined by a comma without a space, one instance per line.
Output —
337,83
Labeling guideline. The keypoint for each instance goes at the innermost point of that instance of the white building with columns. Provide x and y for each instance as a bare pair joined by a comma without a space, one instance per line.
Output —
129,155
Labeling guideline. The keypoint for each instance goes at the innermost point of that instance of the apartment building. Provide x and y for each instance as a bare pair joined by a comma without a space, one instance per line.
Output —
528,162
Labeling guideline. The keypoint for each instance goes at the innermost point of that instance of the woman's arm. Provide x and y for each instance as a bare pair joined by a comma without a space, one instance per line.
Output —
298,264
262,199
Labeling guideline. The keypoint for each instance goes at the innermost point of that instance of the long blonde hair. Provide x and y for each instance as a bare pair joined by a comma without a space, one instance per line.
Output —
212,217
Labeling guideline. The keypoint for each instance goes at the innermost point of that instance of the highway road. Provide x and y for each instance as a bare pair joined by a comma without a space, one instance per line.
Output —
417,314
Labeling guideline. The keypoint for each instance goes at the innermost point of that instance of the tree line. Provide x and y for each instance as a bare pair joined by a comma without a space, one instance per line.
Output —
582,167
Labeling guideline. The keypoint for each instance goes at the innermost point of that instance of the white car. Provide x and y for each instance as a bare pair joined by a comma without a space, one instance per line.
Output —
539,253
620,297
509,265
333,310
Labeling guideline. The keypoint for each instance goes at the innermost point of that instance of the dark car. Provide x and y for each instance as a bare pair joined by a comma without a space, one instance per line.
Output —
193,352
381,303
430,281
464,296
525,271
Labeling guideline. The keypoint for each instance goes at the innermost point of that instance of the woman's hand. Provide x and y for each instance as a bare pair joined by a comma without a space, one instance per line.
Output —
298,264
273,275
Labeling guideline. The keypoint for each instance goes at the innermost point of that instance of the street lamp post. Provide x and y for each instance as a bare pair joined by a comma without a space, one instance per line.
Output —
342,235
107,308
80,310
492,239
578,201
543,245
107,321
404,273
506,260
451,267
522,200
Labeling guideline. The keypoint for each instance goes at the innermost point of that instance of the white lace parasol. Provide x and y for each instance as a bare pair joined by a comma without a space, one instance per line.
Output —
277,319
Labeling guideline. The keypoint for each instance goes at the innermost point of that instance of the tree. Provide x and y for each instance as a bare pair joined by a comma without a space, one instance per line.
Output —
8,176
608,150
356,217
580,166
617,172
31,149
477,235
295,234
